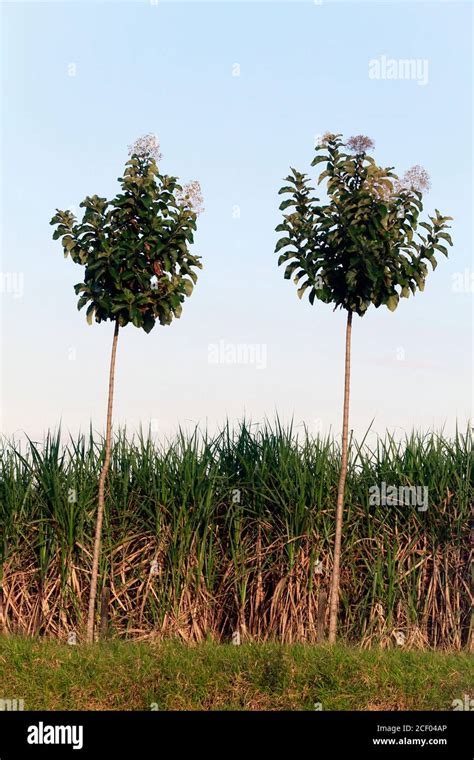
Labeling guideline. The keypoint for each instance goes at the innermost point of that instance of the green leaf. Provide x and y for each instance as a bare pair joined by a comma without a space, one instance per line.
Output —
301,290
282,243
290,269
392,302
286,204
90,313
148,323
445,236
285,256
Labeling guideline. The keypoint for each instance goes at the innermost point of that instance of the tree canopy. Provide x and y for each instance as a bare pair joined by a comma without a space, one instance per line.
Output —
135,249
364,245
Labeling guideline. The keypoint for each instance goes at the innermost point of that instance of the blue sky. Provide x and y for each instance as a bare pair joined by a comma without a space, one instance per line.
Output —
236,93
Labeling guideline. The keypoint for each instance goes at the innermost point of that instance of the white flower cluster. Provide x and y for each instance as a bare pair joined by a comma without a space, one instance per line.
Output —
416,178
147,146
323,140
191,196
360,144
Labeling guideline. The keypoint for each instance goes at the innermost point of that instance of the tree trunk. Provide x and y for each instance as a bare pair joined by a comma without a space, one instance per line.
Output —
3,614
100,508
334,601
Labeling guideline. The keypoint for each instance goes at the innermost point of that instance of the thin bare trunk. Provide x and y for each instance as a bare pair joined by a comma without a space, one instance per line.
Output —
100,508
3,616
334,601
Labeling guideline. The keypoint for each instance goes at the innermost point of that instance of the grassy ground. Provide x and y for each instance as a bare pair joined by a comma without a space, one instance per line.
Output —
142,676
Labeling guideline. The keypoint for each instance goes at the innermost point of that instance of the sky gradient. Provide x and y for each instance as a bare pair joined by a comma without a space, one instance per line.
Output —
236,93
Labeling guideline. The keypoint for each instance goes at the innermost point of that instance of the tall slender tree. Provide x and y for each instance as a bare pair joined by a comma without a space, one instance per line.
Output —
138,269
362,246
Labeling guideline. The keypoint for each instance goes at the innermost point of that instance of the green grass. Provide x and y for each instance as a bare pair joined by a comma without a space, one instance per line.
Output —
206,535
173,676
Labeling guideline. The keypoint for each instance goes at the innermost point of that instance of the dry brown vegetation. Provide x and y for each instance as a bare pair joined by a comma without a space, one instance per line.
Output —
207,537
